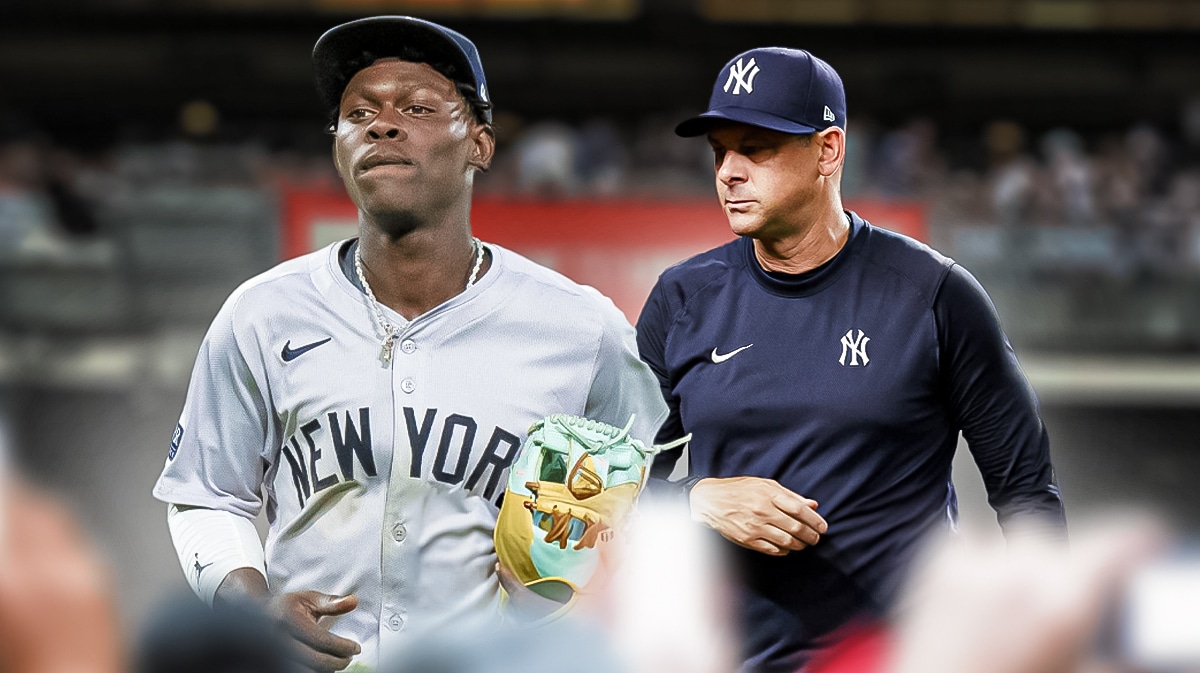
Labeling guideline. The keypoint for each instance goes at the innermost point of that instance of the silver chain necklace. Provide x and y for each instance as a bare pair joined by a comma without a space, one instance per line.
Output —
390,331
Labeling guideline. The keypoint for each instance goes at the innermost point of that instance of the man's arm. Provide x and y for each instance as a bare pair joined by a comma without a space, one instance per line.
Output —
211,544
994,404
225,440
753,512
652,330
228,433
223,560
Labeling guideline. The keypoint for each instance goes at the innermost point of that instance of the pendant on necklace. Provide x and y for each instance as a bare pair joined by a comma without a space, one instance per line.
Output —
385,352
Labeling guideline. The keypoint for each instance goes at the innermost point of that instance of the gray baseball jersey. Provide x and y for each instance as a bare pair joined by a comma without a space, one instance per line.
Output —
383,480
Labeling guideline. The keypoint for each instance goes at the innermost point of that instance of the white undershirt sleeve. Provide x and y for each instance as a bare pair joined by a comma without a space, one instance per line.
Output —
211,544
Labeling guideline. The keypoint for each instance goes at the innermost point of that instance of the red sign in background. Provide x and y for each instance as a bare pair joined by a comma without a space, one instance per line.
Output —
618,247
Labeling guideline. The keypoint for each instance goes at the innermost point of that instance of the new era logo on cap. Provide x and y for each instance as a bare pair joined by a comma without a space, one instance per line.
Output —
793,92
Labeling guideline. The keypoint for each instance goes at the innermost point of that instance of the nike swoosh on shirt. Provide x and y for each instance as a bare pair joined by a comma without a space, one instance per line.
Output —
718,358
290,353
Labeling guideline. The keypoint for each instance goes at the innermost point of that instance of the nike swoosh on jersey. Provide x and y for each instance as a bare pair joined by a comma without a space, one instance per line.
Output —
290,353
718,358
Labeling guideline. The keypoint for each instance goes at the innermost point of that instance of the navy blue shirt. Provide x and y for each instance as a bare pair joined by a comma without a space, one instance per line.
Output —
849,385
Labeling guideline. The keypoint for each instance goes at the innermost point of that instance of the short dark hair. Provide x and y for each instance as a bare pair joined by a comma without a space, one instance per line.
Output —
413,55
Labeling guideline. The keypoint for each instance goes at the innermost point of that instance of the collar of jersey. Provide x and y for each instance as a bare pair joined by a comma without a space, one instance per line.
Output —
359,297
809,282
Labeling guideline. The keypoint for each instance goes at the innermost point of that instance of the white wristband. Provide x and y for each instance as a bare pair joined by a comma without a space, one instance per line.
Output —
211,544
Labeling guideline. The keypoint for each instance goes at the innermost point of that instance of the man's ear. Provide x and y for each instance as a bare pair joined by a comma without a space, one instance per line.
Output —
483,139
831,147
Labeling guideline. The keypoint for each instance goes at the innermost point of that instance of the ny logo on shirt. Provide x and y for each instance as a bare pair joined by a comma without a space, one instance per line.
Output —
856,347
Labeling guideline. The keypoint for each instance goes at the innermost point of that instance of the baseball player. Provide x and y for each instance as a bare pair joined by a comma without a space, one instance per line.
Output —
825,368
372,395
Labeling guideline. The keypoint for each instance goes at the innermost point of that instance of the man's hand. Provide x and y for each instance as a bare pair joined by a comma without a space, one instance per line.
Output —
758,514
299,615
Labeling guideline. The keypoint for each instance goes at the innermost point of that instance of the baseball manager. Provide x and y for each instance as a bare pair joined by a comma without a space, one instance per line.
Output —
825,368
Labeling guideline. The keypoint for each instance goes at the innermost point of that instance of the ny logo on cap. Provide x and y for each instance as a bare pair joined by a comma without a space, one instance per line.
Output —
828,116
743,75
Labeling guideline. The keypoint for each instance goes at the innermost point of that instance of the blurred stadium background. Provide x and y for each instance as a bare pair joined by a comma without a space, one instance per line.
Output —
156,153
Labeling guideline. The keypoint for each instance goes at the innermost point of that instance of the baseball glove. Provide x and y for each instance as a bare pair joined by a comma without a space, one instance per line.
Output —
570,492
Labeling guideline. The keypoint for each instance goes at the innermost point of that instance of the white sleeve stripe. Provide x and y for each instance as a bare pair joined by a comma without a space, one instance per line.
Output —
211,544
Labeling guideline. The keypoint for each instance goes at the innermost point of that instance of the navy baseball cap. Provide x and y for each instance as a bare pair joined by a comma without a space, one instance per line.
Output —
787,90
338,54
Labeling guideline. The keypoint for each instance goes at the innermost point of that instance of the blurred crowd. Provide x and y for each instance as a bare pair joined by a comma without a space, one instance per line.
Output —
1132,198
1139,183
1115,209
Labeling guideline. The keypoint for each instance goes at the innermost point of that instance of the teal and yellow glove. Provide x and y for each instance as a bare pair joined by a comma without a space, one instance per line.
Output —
570,493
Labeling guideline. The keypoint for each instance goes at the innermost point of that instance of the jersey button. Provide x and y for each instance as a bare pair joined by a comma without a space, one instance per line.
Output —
399,532
408,345
395,622
408,385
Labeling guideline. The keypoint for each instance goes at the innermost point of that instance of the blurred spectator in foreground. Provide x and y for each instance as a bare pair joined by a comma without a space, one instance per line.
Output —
556,647
186,636
1035,607
664,609
57,609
